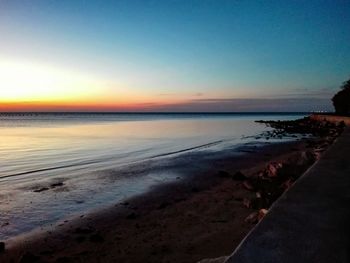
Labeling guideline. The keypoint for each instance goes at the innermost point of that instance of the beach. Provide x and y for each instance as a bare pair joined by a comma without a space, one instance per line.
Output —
174,131
204,214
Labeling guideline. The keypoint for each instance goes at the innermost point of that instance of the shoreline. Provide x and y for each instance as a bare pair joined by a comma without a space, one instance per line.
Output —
323,187
203,216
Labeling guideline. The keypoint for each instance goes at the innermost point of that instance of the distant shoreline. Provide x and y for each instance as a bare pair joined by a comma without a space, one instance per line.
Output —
161,113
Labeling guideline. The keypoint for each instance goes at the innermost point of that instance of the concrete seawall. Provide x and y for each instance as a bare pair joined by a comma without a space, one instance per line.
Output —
331,118
310,222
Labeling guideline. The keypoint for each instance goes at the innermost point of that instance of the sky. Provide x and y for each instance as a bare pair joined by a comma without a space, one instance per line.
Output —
172,55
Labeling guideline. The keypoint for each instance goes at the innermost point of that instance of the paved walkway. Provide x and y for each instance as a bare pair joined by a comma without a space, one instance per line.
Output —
311,222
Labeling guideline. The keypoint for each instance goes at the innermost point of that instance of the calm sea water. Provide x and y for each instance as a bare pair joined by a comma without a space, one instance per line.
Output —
56,165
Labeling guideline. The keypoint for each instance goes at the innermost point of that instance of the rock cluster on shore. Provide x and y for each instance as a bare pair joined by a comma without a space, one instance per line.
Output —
277,177
303,126
269,183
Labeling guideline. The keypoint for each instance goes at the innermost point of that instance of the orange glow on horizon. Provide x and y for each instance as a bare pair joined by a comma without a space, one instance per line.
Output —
29,86
66,106
36,86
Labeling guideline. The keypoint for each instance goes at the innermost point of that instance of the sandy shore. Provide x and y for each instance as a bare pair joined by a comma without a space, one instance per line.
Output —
203,216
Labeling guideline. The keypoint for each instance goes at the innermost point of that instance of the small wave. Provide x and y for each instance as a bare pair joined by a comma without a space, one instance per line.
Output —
47,169
188,149
100,160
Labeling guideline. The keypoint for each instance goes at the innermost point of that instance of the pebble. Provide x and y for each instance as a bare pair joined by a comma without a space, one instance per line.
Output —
247,185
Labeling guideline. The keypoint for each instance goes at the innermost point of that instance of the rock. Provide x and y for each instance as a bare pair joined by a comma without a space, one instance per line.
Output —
56,185
41,190
246,202
317,155
214,260
262,213
252,218
239,176
341,124
287,184
247,185
307,158
272,169
260,174
2,247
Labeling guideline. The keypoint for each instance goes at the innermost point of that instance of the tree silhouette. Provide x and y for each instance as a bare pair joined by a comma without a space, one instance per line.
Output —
341,100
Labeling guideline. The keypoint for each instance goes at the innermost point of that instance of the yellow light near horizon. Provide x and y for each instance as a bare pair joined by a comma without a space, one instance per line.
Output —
25,81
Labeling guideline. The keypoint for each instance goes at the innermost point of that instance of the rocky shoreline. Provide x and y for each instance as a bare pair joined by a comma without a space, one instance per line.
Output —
269,183
278,176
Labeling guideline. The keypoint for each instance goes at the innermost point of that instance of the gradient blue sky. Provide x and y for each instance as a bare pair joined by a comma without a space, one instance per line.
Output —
178,55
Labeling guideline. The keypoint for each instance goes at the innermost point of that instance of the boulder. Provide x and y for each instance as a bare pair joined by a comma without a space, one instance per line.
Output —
306,158
246,202
272,169
262,213
287,184
247,185
252,218
41,190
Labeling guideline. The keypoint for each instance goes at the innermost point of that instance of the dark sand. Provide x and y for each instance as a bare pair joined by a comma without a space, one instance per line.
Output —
201,216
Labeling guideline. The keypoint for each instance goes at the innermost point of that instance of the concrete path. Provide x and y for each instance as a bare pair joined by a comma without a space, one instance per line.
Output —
311,222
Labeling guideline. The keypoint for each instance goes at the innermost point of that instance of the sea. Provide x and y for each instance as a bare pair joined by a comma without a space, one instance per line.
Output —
56,165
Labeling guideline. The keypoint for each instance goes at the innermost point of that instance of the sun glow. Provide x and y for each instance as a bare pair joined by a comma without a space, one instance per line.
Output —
30,86
26,81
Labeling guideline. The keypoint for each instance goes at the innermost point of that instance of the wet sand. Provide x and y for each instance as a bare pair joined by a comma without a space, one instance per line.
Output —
204,215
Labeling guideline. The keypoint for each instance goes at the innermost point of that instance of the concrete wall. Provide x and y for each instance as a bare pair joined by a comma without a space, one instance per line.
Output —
331,118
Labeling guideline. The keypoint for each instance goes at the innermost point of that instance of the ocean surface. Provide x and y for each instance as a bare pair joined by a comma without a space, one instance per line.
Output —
58,165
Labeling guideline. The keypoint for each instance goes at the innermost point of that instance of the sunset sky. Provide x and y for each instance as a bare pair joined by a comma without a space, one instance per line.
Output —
172,55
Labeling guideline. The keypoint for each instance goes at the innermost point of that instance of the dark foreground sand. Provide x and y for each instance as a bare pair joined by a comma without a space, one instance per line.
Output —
204,216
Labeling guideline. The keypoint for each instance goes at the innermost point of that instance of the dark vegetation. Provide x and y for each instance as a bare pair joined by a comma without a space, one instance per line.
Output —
341,100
